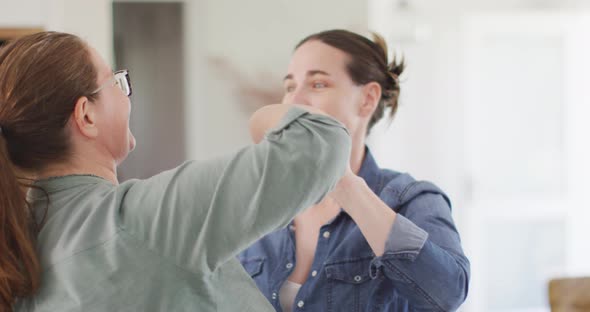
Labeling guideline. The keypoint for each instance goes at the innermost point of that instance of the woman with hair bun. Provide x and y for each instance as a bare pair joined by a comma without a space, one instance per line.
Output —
381,241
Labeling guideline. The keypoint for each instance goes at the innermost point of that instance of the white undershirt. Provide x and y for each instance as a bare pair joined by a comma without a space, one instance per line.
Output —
287,295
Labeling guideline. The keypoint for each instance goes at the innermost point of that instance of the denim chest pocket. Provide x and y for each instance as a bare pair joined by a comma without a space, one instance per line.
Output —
348,285
253,266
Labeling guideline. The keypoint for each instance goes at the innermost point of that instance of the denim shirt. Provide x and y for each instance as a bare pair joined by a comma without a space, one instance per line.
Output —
423,267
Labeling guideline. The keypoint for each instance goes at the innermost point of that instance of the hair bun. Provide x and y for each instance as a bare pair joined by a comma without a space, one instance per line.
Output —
396,68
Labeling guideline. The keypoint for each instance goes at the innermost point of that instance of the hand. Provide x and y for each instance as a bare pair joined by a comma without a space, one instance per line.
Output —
345,187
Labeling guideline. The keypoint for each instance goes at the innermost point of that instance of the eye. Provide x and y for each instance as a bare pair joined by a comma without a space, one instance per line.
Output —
319,85
289,88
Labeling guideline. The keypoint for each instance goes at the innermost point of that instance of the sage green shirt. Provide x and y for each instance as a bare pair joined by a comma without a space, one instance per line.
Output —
168,243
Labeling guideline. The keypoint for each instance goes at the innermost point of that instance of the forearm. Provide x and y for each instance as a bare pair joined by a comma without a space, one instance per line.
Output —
433,278
432,273
373,217
424,253
202,214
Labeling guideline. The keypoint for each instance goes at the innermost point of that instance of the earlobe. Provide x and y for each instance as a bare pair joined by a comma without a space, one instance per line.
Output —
84,118
372,95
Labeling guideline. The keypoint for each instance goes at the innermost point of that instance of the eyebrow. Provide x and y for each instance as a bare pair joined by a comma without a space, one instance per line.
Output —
309,74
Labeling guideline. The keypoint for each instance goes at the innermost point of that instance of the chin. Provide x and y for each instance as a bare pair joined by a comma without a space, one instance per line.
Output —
122,158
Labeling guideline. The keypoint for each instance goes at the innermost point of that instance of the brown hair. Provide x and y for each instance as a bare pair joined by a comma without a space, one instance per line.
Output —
41,78
368,63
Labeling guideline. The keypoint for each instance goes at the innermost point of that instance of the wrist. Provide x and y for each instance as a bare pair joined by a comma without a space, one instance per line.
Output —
349,185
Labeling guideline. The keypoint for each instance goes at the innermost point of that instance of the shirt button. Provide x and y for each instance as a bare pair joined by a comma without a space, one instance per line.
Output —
274,296
357,278
326,234
289,266
291,228
300,303
314,273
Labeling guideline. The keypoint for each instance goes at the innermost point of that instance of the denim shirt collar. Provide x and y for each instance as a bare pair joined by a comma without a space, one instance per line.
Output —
370,171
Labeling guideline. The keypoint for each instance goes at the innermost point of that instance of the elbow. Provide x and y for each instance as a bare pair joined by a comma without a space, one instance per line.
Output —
457,293
338,152
330,158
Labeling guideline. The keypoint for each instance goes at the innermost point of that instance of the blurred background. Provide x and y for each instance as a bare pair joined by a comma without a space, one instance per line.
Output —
494,107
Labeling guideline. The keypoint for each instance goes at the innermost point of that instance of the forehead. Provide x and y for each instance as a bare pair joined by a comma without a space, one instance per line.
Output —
316,55
103,69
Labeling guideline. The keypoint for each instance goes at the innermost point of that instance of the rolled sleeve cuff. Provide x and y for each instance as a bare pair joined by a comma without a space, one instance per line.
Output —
295,113
405,237
291,115
405,242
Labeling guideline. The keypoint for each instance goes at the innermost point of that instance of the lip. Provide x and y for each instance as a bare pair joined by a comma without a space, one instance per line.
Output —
132,141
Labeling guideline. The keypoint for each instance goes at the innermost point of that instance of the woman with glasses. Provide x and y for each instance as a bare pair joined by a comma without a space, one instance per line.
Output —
80,241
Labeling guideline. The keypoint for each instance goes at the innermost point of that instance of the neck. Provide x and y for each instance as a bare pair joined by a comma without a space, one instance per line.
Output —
68,169
82,164
357,154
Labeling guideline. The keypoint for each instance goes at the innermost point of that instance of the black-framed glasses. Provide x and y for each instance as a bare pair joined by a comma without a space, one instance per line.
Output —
121,79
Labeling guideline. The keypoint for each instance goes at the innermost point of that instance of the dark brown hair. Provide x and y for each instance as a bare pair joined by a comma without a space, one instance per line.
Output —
368,63
41,78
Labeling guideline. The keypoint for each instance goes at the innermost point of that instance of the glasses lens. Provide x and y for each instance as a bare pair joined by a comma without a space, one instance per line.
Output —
124,82
128,83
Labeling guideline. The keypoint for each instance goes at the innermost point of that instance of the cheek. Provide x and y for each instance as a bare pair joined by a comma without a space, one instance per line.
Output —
117,121
112,109
341,105
123,112
329,102
349,113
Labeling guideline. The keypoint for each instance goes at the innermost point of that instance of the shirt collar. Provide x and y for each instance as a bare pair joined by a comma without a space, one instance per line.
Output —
370,171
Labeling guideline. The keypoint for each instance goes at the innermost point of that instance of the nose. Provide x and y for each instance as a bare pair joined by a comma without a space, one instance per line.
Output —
298,96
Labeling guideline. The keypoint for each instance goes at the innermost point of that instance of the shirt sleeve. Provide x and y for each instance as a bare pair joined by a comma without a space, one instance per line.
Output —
423,256
203,213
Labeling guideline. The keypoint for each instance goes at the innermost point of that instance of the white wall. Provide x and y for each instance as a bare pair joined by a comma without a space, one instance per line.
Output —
256,37
91,20
25,13
426,136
